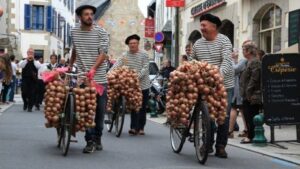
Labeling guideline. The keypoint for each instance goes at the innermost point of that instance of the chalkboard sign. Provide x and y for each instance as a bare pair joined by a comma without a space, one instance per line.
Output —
294,26
281,88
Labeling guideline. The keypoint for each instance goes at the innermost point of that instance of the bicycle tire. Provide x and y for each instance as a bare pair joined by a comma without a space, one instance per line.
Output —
68,124
202,130
59,136
120,116
177,138
109,120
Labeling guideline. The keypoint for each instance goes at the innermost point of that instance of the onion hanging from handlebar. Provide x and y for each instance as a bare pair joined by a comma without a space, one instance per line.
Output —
187,83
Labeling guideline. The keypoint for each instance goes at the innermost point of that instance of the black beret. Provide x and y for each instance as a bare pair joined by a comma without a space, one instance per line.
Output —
135,36
211,18
82,7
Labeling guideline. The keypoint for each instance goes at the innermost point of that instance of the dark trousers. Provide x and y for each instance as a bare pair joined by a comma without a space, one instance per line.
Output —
222,130
249,112
5,91
96,133
138,120
28,88
40,92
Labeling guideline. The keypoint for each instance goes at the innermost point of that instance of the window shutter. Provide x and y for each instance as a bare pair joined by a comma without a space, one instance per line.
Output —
49,19
27,17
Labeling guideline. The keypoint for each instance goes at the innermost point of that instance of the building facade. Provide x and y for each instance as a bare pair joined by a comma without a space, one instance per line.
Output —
43,25
272,24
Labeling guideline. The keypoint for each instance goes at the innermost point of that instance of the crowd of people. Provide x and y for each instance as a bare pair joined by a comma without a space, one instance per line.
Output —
89,54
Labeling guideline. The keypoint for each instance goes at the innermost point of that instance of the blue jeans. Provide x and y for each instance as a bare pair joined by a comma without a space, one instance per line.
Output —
12,89
96,133
222,130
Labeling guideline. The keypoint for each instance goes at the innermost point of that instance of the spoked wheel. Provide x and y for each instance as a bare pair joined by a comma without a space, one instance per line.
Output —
202,132
109,120
68,123
120,110
177,137
59,136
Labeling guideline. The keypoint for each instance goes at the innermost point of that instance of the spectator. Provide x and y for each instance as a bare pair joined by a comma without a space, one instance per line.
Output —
166,69
260,54
188,49
250,87
7,76
12,87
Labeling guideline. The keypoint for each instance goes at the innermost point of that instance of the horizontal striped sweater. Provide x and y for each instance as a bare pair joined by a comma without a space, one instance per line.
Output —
217,52
88,46
138,62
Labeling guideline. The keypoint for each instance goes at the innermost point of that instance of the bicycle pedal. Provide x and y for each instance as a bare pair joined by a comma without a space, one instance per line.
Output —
74,141
107,121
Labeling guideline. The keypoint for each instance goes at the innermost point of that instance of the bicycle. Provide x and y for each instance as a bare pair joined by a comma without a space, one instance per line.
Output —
116,116
201,135
68,116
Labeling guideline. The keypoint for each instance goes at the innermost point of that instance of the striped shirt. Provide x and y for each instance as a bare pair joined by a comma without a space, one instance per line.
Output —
138,62
217,52
88,46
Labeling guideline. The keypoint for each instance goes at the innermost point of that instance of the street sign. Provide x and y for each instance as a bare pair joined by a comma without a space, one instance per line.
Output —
281,88
149,28
158,47
159,37
175,3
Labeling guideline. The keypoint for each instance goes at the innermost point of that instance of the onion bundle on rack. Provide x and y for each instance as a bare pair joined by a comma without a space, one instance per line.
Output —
54,101
187,83
85,101
123,81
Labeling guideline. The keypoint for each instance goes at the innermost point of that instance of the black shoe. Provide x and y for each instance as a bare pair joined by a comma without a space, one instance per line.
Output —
29,110
99,146
220,152
37,108
24,107
90,147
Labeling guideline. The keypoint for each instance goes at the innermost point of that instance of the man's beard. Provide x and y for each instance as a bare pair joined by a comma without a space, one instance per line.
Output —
87,23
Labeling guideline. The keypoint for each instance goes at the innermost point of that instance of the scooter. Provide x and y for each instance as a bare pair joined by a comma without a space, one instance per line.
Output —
158,92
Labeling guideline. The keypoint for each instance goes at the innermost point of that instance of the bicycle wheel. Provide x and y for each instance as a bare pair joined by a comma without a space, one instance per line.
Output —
59,136
201,132
177,137
120,109
68,123
109,121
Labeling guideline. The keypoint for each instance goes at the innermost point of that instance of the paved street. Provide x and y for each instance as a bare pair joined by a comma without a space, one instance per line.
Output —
26,144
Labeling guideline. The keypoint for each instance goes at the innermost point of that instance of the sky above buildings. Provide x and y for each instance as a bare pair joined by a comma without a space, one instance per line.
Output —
143,6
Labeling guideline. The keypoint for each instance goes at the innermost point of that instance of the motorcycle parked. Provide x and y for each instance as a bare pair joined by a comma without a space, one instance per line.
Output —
158,92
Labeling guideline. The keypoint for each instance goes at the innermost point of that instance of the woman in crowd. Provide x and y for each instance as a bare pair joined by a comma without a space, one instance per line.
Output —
250,87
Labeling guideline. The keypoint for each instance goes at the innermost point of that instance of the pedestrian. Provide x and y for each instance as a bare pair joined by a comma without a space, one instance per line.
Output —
215,48
166,69
236,104
41,85
260,54
13,83
250,87
188,49
29,80
91,44
7,77
137,60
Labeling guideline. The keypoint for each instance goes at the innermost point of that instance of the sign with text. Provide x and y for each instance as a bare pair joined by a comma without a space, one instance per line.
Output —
206,6
175,3
149,28
281,88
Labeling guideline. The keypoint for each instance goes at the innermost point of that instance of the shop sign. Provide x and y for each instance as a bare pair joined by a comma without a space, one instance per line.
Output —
175,3
206,6
149,28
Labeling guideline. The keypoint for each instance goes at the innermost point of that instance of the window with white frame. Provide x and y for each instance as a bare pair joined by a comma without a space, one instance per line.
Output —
270,30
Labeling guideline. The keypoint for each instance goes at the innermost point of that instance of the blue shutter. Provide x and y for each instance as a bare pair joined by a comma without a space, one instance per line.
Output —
27,17
49,19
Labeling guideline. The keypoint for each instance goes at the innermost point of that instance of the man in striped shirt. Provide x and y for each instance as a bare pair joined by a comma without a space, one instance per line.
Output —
215,49
90,44
137,60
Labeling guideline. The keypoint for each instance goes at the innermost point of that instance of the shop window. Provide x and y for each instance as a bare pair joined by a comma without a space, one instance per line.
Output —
270,30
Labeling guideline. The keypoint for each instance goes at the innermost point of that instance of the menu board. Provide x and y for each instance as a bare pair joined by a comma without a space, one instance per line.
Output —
294,27
281,88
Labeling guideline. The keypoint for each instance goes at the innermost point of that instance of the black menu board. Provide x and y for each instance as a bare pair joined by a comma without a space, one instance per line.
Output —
294,26
281,88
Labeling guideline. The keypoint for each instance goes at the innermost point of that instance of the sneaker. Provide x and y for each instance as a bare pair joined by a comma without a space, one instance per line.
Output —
90,147
98,145
220,152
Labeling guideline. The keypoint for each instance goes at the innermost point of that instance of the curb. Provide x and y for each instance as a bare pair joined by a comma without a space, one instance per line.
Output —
262,152
4,108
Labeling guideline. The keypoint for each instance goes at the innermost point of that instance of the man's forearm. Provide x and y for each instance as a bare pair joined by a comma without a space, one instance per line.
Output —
99,61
